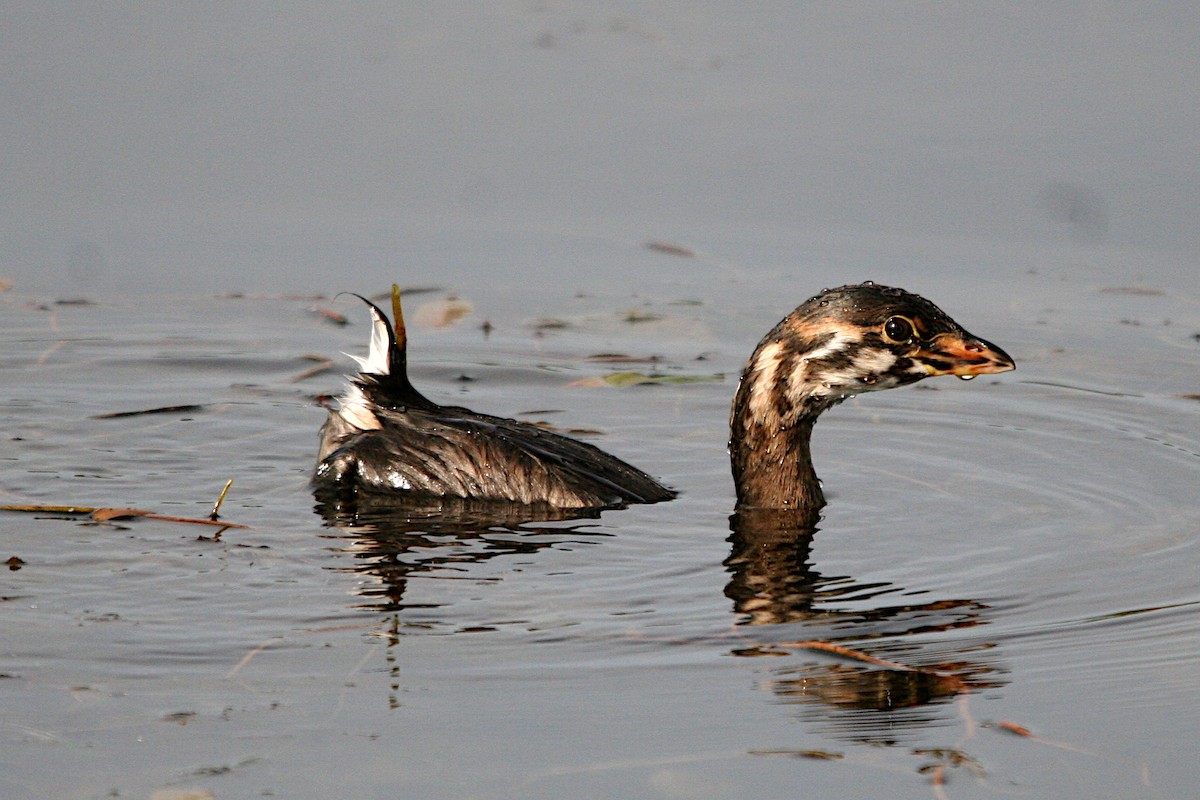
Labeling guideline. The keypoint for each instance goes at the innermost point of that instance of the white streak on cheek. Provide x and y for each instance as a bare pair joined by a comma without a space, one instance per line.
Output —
868,363
835,344
875,362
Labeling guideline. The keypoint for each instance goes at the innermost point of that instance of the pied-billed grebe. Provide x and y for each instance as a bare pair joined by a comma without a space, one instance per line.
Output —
387,438
844,341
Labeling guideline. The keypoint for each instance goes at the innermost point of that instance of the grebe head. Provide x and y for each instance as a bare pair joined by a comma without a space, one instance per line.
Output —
842,342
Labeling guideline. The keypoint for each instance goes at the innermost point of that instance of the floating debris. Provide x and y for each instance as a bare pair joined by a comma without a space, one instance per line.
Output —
220,499
184,409
329,315
623,379
180,717
621,358
550,324
1011,727
110,514
549,426
947,757
406,291
670,249
323,365
441,313
635,317
818,755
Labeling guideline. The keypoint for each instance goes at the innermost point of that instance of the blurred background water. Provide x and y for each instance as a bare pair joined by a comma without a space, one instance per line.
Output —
204,178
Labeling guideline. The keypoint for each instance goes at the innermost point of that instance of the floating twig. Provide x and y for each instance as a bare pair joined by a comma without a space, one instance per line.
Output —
246,659
220,499
329,315
1012,727
630,378
670,249
323,365
622,358
859,655
818,755
160,410
1026,733
107,514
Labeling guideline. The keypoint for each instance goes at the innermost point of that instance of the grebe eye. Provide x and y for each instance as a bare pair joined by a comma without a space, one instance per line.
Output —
898,329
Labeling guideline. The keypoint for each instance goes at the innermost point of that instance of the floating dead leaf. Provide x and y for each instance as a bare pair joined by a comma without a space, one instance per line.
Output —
74,301
550,324
819,755
758,650
106,514
947,757
670,249
549,426
15,563
635,317
406,291
180,717
1012,727
109,514
591,382
184,409
323,365
441,313
5,285
1188,396
1132,290
40,509
623,379
329,315
182,794
621,358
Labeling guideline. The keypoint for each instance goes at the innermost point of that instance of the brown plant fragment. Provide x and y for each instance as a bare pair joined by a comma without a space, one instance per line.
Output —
670,249
183,409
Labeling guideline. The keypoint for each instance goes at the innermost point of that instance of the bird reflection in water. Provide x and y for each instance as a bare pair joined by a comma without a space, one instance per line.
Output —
773,582
837,344
396,542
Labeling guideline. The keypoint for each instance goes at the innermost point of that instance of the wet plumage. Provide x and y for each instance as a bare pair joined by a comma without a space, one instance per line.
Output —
844,341
386,438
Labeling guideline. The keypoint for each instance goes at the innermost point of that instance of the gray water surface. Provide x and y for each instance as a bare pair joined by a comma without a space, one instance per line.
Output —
1029,537
1025,545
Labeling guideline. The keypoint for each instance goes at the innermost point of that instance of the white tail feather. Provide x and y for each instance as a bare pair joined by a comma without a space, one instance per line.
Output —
376,362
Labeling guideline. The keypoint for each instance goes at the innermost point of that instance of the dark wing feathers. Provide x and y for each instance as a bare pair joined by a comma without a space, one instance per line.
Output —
449,452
